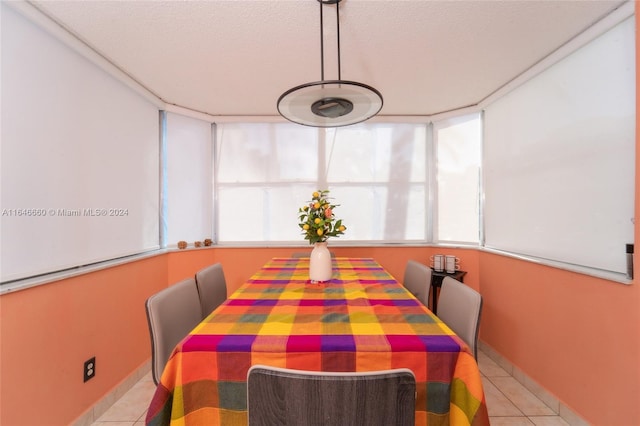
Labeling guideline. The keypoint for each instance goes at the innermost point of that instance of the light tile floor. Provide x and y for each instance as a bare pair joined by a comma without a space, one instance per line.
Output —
509,403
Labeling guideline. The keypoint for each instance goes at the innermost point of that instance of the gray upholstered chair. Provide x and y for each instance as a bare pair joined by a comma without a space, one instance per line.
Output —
212,288
171,313
417,279
460,306
278,396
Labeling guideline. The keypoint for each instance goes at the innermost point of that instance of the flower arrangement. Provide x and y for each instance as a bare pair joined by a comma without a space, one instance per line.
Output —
317,220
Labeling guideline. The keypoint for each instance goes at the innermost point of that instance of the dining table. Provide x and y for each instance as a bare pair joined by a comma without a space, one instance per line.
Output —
362,319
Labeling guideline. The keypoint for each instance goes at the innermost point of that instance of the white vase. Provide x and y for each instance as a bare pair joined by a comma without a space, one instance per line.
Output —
320,269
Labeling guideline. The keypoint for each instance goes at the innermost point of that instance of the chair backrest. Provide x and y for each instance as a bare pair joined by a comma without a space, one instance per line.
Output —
460,306
212,288
171,313
278,396
417,279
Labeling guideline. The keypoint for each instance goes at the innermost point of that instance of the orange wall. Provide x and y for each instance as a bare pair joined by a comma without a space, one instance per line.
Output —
575,335
49,331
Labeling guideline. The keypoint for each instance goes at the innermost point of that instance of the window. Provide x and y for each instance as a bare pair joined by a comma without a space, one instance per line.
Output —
256,165
458,149
376,172
79,158
380,170
559,158
187,213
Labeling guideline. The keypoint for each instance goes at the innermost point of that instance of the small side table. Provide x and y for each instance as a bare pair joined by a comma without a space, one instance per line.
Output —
436,283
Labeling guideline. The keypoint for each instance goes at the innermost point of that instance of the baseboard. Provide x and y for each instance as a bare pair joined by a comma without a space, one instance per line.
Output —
99,408
534,387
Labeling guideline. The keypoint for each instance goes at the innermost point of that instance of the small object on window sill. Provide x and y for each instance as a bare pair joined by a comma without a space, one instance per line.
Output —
198,244
182,245
208,242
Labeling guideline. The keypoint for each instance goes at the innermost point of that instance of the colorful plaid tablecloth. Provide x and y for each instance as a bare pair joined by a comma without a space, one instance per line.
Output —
361,320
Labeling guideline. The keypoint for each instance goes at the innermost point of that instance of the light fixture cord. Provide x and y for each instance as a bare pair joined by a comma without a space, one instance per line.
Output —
321,45
338,29
322,40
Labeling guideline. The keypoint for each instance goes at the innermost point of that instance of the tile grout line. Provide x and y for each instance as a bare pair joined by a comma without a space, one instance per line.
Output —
507,397
562,411
490,351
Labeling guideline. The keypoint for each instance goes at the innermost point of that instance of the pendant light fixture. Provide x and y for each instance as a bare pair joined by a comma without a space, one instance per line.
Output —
330,103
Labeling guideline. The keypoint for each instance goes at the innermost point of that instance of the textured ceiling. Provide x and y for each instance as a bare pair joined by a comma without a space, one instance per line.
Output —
237,57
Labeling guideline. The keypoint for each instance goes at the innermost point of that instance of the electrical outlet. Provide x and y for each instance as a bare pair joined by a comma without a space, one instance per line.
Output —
89,368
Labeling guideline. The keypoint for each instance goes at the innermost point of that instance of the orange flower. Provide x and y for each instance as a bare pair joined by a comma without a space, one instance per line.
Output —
317,221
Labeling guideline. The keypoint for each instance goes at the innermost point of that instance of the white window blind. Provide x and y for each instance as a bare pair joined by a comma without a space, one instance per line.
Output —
80,158
376,172
189,187
559,156
458,143
379,171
